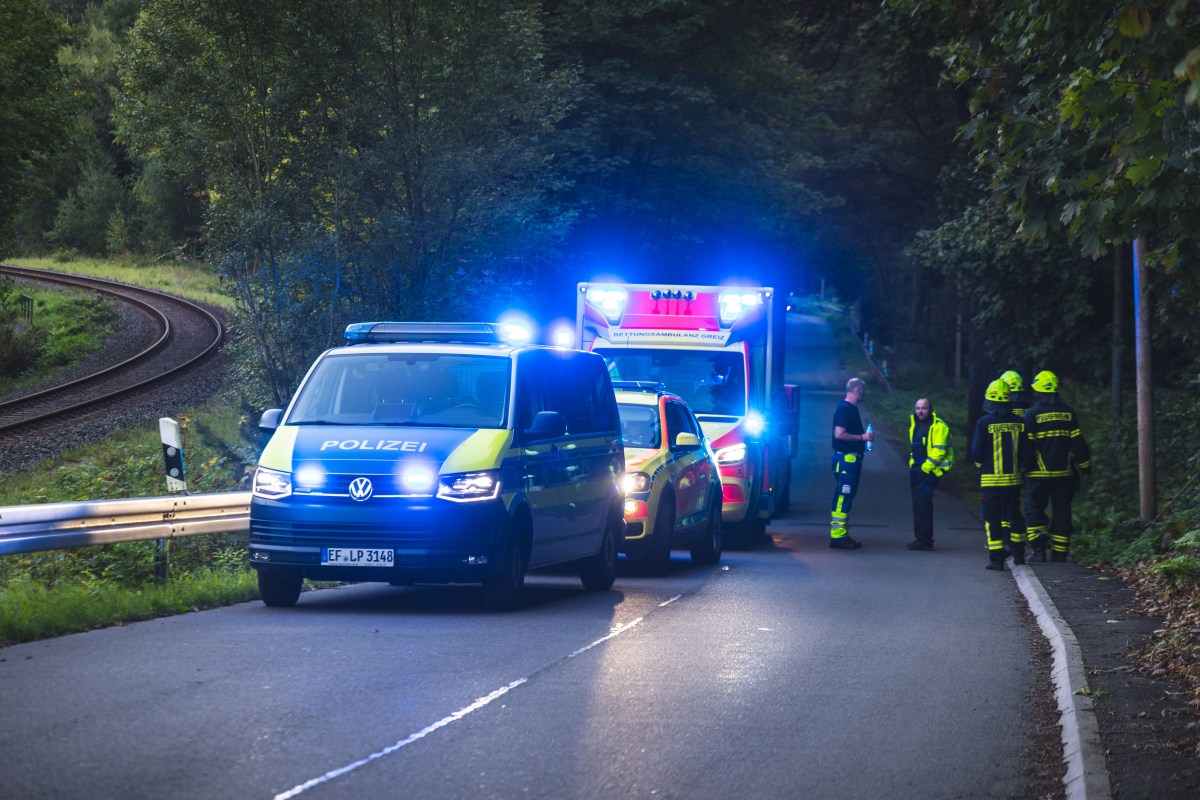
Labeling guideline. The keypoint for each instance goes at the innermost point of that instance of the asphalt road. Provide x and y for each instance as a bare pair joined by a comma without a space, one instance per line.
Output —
790,670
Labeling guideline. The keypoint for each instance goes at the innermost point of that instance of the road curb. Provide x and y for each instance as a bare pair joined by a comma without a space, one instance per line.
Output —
1083,753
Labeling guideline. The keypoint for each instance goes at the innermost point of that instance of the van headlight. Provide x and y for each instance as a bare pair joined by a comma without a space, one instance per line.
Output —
735,454
465,487
271,484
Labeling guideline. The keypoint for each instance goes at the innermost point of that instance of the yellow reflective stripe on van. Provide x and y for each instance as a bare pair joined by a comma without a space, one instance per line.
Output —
278,453
483,449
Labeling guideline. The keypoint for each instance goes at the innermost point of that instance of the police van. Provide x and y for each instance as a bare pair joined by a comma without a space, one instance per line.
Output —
440,453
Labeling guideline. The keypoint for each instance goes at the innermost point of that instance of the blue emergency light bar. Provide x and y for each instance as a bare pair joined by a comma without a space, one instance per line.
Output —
640,386
443,332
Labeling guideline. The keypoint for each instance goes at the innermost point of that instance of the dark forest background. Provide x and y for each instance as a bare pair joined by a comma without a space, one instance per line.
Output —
973,179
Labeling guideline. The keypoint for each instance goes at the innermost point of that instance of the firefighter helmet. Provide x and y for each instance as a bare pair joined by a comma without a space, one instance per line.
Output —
1013,380
1045,381
997,392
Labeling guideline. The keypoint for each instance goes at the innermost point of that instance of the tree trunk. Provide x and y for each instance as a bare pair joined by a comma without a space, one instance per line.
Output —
1118,335
1145,389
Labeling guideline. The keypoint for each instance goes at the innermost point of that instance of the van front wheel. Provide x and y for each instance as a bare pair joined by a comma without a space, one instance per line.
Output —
279,590
599,572
502,592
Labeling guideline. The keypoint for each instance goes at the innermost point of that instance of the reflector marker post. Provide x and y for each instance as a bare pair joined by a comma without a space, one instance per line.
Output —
172,446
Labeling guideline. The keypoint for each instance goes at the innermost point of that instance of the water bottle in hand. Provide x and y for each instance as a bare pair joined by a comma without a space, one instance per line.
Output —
870,444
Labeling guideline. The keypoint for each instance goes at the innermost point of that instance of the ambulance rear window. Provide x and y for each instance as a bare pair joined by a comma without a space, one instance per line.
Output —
424,389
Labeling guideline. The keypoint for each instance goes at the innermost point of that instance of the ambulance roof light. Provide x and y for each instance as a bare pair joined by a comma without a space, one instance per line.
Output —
734,305
448,332
610,302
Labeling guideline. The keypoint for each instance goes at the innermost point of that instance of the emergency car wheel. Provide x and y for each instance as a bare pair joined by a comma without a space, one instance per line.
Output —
708,551
279,590
502,592
783,503
599,572
658,557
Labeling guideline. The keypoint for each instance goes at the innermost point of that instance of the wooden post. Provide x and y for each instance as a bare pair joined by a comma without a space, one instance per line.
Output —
1145,388
1118,337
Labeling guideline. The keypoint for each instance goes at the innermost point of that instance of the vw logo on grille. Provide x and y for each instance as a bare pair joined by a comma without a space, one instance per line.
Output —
361,488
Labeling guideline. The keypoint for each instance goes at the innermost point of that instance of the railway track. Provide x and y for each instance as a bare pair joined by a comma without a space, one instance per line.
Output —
181,334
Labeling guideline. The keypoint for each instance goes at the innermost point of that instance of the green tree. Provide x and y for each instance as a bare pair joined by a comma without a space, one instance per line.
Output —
361,159
32,106
1080,116
692,135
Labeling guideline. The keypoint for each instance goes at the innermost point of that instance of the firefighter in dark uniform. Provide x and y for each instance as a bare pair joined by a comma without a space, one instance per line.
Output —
999,450
849,445
1059,457
1016,392
930,454
1018,402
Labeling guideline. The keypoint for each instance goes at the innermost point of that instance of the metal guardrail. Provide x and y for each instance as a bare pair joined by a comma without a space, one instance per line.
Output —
57,526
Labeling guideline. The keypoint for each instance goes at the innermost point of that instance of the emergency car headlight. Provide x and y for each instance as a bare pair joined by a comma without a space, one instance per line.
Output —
756,423
635,482
467,487
271,484
735,454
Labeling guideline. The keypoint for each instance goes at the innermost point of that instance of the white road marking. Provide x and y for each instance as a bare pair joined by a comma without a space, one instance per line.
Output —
617,631
668,602
444,721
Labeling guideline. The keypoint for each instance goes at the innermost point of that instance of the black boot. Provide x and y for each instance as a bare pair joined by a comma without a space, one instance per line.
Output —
1018,552
844,543
1039,552
996,562
1058,557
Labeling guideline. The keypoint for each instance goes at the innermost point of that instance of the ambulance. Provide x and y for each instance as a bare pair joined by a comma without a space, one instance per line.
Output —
440,453
720,348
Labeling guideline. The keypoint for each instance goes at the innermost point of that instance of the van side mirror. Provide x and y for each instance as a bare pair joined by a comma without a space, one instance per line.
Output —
547,425
269,420
687,441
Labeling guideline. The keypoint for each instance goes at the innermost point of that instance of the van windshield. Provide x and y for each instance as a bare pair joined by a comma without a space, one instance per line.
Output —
426,389
712,382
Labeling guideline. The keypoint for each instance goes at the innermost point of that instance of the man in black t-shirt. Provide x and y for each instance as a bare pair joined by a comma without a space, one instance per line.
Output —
849,445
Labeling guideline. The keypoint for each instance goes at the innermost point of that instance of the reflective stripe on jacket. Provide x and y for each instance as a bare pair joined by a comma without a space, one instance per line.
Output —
999,449
938,449
1058,444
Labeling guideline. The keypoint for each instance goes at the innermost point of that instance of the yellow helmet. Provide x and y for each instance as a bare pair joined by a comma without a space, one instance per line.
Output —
1013,380
997,391
1045,381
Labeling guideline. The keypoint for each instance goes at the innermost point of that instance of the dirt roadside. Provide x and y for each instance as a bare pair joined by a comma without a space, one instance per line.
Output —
1150,732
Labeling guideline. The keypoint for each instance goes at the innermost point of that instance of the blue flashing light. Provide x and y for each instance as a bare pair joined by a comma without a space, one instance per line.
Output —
610,302
418,480
515,333
756,423
735,305
446,332
563,338
310,476
359,331
515,328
